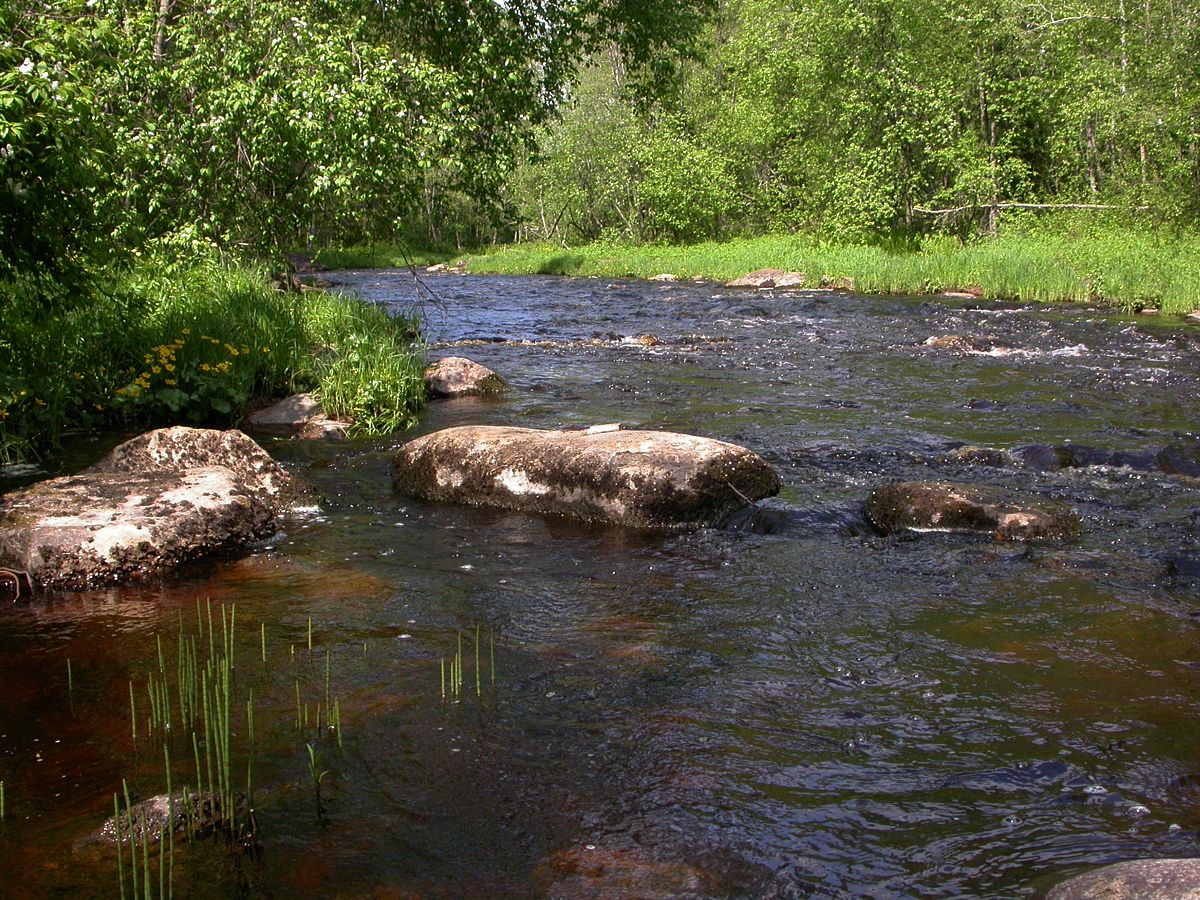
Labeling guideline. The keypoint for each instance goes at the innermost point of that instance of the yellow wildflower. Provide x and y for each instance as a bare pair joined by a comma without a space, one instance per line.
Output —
169,382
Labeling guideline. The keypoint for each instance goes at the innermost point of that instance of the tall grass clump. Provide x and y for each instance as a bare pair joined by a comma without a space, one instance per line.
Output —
368,367
1060,258
171,343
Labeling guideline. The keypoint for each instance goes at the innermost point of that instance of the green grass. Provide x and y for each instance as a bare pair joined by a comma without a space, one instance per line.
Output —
379,256
1129,269
194,344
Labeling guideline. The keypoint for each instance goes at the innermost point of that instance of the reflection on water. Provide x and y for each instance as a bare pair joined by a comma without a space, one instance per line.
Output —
813,710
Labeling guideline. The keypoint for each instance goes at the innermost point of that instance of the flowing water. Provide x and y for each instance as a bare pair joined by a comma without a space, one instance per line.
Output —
795,706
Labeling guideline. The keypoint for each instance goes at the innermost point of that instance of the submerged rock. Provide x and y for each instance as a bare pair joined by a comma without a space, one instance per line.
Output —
597,874
156,502
642,479
963,344
457,376
942,506
146,822
1139,879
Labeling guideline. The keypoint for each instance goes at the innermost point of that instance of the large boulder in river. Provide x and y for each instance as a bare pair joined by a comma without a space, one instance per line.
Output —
642,479
457,376
762,278
942,506
1139,879
156,502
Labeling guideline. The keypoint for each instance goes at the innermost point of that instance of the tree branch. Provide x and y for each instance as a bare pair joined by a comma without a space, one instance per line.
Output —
974,206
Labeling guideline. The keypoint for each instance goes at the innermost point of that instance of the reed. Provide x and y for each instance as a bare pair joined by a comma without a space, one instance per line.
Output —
318,776
452,671
327,665
120,848
1062,258
2,807
204,695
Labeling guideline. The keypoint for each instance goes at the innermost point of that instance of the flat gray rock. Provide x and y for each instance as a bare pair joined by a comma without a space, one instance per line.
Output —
641,479
1139,879
156,502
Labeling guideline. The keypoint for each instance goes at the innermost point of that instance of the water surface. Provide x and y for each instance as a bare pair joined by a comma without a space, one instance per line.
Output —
814,711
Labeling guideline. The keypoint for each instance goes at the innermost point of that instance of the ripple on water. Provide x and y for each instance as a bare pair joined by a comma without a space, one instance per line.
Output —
794,706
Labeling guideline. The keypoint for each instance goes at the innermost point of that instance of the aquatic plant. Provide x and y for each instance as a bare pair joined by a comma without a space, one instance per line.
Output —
452,671
318,776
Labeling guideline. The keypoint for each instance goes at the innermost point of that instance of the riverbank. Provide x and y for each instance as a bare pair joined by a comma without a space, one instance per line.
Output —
195,344
1134,271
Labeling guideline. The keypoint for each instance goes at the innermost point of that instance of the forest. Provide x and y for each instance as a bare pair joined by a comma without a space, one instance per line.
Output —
157,157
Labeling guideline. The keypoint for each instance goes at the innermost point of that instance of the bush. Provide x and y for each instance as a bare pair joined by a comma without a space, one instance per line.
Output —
167,344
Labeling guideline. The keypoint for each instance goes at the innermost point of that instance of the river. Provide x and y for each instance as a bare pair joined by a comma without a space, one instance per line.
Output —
800,708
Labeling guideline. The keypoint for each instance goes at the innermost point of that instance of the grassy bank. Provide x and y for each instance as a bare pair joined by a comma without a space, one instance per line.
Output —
379,256
194,345
1132,270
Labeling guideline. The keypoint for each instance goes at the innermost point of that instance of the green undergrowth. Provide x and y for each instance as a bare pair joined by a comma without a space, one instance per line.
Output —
1129,269
379,256
194,344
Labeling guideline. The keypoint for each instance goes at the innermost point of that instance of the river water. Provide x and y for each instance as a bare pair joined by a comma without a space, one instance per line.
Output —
794,707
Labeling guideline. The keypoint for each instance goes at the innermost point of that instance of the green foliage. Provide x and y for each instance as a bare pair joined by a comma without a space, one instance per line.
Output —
1066,259
853,120
368,367
50,212
686,190
193,344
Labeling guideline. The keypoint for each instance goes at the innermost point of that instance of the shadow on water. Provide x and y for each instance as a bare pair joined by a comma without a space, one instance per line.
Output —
790,706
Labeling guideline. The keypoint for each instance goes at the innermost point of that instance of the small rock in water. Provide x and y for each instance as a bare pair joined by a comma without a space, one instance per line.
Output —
942,506
762,278
457,376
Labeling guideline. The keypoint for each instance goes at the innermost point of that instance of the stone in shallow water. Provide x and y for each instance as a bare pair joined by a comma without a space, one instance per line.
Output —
286,418
1139,879
156,502
943,506
762,278
642,479
457,376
